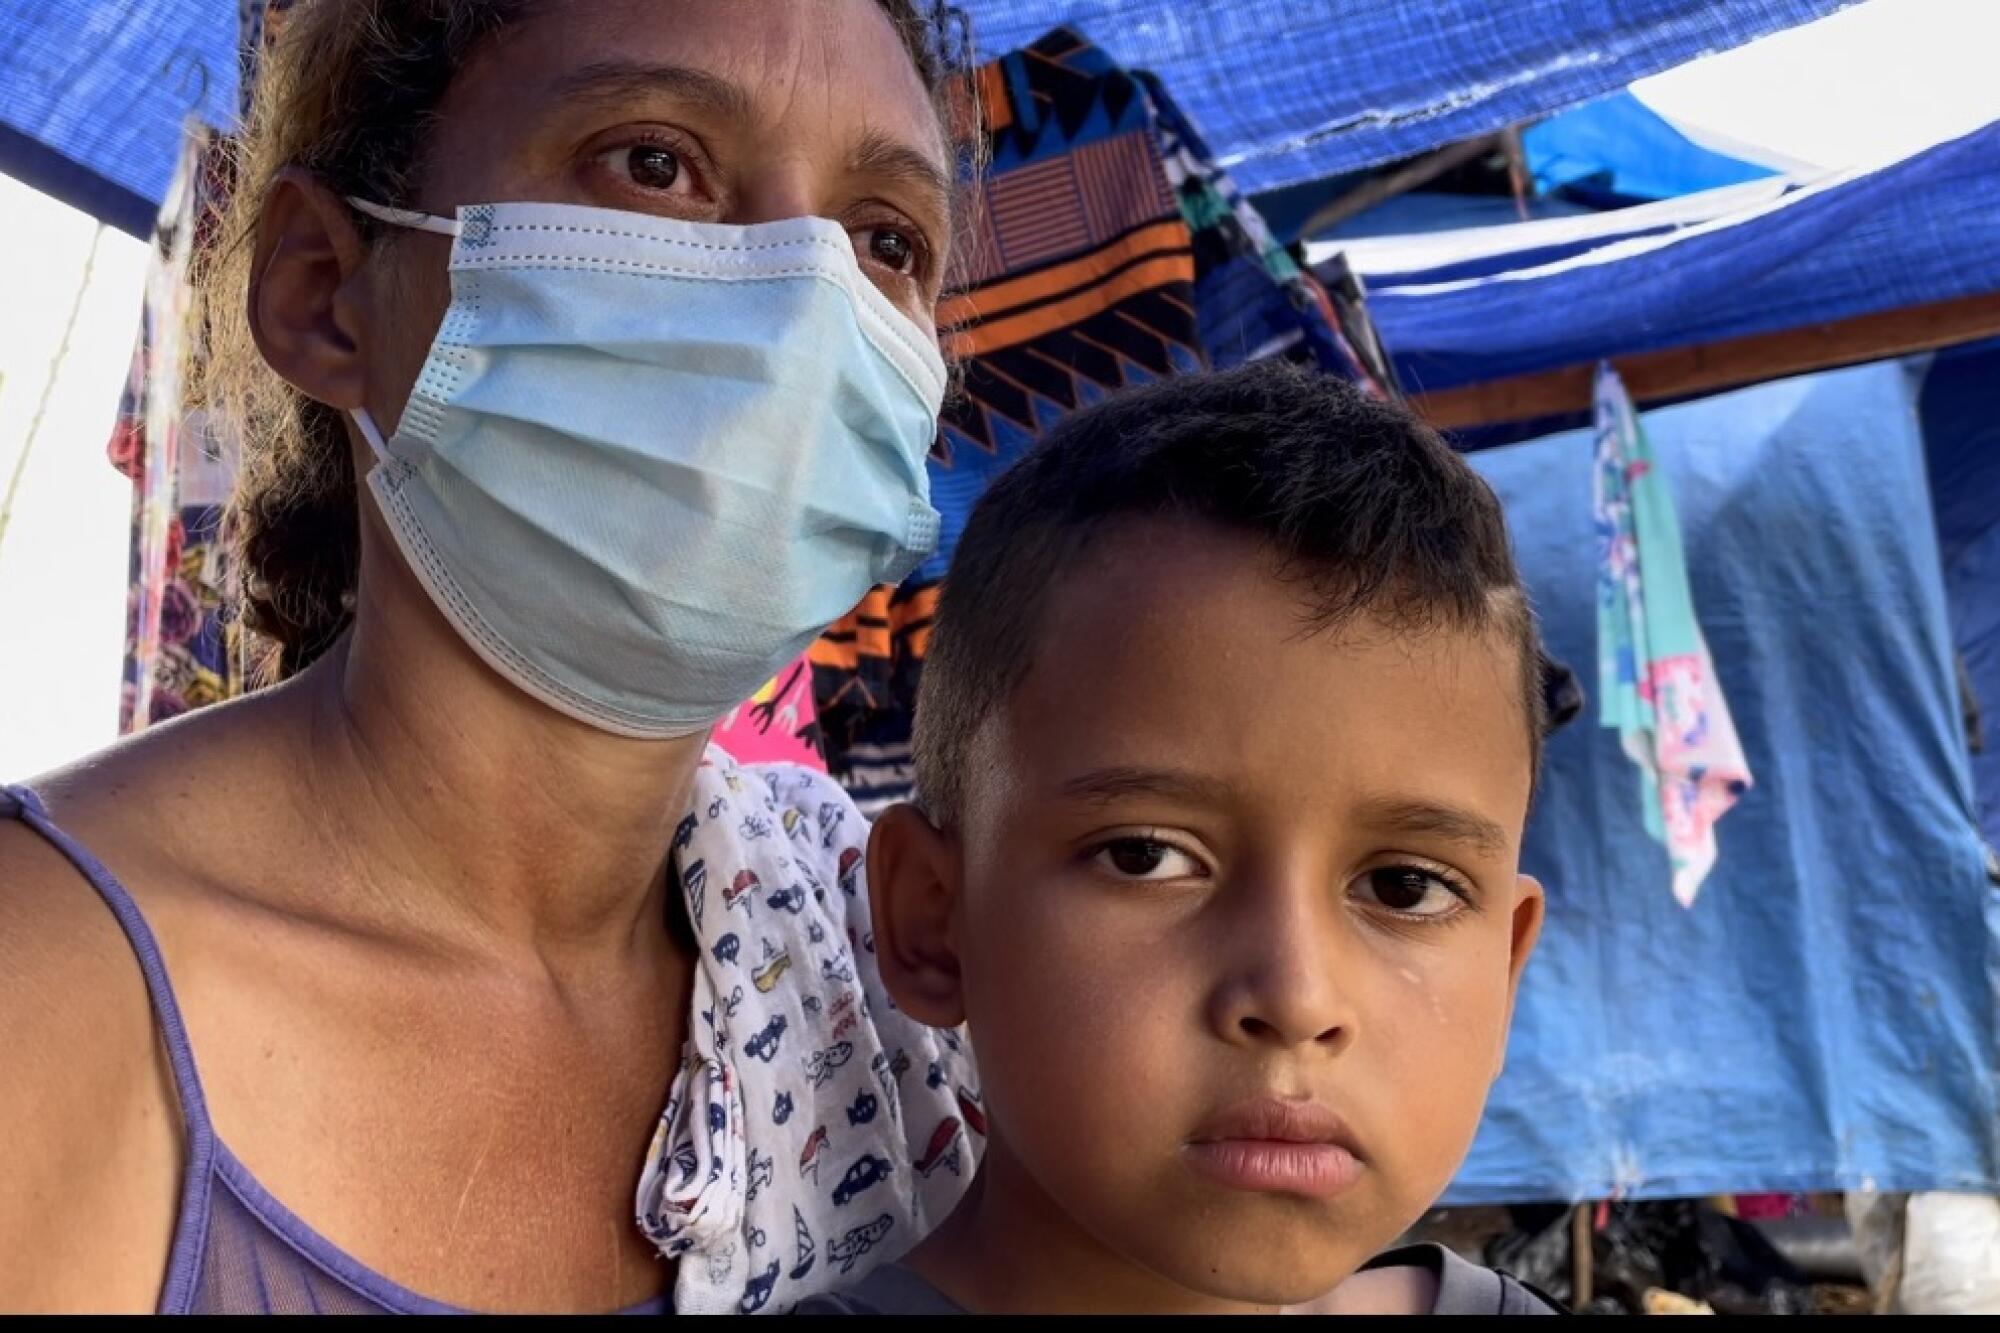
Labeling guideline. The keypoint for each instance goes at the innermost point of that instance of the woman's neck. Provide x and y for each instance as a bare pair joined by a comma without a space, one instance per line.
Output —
526,829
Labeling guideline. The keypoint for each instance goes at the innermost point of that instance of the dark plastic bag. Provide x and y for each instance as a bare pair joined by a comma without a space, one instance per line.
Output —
1679,1245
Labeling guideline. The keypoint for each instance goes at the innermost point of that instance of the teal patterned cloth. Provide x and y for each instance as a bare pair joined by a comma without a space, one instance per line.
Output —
1656,682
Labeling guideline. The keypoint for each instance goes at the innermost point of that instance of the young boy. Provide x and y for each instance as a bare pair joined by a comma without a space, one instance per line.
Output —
1224,747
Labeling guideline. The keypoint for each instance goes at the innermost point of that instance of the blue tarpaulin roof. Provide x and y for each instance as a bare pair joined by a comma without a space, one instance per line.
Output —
93,93
1922,229
1287,91
1615,152
1619,150
94,96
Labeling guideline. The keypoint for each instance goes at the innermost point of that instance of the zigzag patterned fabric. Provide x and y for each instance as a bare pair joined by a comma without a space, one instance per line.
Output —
1106,250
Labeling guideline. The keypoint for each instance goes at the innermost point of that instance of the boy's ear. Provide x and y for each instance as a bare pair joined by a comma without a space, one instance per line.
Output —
1530,904
913,891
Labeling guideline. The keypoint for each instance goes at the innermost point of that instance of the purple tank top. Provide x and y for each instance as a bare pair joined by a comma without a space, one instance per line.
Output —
236,1250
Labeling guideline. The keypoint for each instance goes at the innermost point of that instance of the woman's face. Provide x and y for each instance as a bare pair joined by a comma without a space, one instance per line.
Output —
730,111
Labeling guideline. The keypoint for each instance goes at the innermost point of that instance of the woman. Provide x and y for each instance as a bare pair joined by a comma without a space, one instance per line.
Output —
622,311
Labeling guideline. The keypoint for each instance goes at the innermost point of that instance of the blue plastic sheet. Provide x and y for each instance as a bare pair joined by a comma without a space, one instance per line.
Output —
1619,151
1924,229
1960,405
1291,90
1824,1017
94,96
93,93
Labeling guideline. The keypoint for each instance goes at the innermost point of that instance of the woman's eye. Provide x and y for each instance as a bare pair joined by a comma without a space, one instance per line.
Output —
1142,858
892,249
1410,891
649,166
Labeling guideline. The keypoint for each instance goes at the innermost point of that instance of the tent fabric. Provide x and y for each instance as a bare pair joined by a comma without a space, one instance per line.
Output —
1288,211
94,96
96,93
1922,229
1960,408
1619,150
1824,1017
1445,237
1287,92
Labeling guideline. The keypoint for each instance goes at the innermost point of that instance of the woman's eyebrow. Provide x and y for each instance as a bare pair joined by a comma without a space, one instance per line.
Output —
885,158
614,81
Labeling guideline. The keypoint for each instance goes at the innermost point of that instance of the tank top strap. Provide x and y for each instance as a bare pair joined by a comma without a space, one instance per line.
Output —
22,804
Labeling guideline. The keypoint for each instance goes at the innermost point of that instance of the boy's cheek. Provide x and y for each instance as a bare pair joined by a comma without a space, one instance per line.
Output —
1054,975
1437,1035
1063,1008
1456,995
1428,1050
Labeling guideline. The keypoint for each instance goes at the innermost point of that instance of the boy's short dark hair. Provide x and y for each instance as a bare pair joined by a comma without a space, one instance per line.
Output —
1360,501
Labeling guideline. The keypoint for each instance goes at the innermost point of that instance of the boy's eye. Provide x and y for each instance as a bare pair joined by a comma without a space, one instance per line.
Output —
1143,858
1410,891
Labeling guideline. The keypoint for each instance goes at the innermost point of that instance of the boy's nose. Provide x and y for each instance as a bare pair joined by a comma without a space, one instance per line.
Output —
1287,1029
1280,984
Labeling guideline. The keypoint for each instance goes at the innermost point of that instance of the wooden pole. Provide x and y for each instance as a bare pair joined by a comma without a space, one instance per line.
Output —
1378,189
1582,1258
1686,372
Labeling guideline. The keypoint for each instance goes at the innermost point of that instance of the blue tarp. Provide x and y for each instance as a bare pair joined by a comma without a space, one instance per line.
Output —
1287,211
1286,91
1448,238
1924,229
93,93
1960,406
1611,153
94,96
1824,1017
1618,151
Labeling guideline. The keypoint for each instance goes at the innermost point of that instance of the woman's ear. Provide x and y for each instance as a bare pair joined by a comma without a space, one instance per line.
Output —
306,308
913,891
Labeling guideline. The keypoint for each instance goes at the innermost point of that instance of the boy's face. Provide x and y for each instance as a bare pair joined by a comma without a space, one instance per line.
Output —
1233,915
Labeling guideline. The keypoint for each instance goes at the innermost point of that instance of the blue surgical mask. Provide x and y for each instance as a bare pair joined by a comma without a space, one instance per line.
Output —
648,461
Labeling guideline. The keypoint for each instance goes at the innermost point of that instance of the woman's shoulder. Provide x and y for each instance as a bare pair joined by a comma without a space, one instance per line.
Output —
91,1152
65,963
101,861
163,803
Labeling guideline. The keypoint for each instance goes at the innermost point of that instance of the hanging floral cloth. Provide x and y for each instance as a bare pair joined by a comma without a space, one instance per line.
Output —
1655,677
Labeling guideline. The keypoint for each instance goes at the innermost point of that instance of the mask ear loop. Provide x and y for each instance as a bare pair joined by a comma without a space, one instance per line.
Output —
412,221
406,218
370,432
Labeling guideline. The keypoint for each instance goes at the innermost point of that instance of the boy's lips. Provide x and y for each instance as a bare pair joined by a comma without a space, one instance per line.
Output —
1270,1145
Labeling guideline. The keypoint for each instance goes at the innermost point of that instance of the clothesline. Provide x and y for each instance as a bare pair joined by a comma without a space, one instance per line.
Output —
56,363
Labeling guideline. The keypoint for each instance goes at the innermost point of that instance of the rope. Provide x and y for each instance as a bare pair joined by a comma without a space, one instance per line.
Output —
49,387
